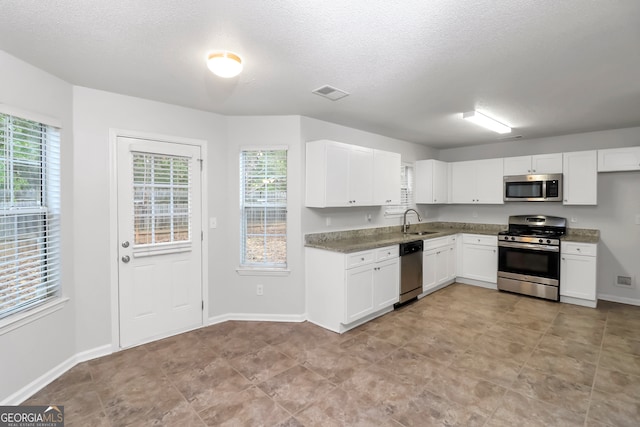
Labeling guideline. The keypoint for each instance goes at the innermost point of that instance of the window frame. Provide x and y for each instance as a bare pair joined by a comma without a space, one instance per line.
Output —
46,205
394,211
262,268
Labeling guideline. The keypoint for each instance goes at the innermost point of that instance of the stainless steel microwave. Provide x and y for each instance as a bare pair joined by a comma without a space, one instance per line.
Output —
533,188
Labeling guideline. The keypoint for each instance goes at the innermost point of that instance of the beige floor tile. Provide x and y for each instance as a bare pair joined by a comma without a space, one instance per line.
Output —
566,347
428,409
586,334
618,384
263,364
553,390
250,407
622,362
518,410
565,367
518,335
613,411
501,349
296,388
476,364
620,344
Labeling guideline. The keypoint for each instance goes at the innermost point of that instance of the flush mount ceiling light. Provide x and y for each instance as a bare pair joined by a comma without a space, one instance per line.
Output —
486,122
224,64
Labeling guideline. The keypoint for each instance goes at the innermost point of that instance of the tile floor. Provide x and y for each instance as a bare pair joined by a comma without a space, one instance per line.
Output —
462,356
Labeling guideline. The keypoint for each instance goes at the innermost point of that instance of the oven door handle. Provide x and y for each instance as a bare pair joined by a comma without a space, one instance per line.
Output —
533,247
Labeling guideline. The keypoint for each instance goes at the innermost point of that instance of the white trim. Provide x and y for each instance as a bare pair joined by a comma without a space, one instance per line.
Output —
578,301
264,148
48,377
622,300
22,318
256,317
247,271
114,134
25,114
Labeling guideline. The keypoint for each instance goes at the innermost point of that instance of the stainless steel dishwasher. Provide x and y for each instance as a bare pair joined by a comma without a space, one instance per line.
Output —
410,270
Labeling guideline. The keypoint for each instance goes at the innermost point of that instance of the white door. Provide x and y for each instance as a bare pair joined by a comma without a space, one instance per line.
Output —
159,239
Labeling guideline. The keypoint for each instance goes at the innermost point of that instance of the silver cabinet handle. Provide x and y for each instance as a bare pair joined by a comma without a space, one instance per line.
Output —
126,259
125,244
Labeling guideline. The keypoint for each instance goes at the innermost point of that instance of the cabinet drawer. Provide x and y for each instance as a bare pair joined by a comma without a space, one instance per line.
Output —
388,252
480,239
359,258
572,248
436,243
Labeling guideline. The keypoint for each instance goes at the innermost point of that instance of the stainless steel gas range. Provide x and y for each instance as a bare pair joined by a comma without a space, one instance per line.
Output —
529,256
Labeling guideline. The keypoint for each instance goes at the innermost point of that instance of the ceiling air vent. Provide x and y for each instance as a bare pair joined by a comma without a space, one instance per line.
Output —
509,138
330,92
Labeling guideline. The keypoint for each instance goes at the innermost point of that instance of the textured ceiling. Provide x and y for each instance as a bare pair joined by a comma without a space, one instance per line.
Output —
546,67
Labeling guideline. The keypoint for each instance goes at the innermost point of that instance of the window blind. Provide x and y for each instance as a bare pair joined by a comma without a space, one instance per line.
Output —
263,207
406,191
162,199
29,213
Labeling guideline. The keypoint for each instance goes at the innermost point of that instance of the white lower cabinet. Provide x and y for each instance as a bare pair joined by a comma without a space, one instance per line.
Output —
578,273
344,290
439,262
480,258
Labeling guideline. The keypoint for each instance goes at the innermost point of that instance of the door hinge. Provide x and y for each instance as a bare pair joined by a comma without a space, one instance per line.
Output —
202,236
201,161
202,305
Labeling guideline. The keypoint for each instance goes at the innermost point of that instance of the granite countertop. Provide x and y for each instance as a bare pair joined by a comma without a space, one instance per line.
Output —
371,238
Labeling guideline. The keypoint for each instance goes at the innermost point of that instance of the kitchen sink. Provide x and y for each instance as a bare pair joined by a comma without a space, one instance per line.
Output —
421,233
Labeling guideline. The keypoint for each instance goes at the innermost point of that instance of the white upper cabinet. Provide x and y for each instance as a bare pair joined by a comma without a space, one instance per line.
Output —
619,159
538,164
386,177
477,181
431,182
338,175
580,178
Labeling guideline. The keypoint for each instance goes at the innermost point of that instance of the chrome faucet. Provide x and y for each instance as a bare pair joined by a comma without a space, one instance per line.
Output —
405,225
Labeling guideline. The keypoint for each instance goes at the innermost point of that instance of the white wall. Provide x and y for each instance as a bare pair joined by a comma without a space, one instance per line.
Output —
614,216
283,295
314,220
30,351
95,112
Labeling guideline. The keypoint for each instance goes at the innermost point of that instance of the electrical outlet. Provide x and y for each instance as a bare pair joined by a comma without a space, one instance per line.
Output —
259,290
574,219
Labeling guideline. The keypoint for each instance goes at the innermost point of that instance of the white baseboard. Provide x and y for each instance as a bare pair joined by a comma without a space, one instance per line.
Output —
615,298
45,379
258,317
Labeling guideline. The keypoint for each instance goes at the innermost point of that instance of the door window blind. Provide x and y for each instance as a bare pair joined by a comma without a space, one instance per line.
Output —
161,199
263,207
29,213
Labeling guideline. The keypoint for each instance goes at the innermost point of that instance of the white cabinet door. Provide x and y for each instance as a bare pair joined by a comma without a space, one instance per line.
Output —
431,182
580,178
546,163
429,267
386,177
619,159
451,262
360,176
480,262
336,175
578,276
442,261
386,283
358,293
489,181
520,165
463,185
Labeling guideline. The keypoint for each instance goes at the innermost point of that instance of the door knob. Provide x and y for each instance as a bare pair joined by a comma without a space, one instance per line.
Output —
126,259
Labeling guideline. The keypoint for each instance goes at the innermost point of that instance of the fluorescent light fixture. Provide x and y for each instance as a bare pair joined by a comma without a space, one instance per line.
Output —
224,64
486,122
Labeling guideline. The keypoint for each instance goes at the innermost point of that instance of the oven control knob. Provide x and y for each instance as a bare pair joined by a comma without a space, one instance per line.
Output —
513,238
548,241
540,241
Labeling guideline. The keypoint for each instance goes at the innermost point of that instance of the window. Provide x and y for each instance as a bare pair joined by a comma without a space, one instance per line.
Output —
162,199
263,207
406,191
29,213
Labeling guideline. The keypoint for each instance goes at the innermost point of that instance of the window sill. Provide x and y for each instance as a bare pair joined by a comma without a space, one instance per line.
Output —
19,320
245,271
